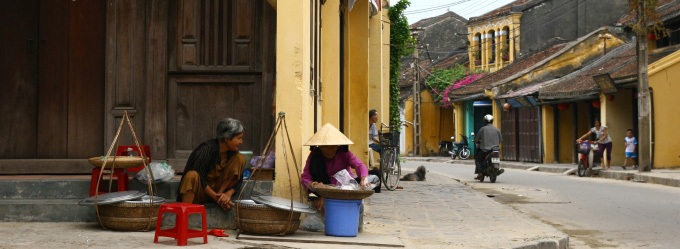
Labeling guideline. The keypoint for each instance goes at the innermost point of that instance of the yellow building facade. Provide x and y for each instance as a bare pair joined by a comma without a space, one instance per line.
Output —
349,57
436,122
663,79
494,43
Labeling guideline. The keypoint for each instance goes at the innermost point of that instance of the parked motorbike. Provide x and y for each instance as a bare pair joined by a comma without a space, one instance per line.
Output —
492,166
586,155
445,147
462,149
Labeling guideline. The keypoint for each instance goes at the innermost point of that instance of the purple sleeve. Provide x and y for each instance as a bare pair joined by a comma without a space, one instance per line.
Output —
306,178
357,164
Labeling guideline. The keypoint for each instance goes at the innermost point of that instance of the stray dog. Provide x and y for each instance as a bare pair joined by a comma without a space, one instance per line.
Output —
419,175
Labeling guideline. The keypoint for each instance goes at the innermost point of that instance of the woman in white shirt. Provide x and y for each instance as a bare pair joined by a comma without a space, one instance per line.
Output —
603,139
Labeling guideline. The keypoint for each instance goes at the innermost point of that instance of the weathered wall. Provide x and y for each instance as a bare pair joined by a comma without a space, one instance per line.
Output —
330,63
567,19
441,35
437,124
292,89
548,131
356,84
663,79
618,115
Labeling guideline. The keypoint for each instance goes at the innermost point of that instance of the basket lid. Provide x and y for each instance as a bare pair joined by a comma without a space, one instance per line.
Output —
113,197
282,203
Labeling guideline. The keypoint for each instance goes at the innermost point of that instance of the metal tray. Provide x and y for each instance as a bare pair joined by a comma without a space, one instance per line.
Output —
113,197
147,199
282,203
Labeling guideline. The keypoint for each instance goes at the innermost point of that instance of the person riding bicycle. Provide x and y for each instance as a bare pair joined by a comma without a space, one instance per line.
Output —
488,137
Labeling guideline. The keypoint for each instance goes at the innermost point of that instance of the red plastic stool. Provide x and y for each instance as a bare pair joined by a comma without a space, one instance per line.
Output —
119,174
127,150
181,231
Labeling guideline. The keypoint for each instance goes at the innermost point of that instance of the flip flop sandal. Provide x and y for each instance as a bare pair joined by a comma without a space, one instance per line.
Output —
218,233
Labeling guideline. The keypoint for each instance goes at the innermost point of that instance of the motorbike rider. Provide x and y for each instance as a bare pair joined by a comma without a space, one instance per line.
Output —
488,137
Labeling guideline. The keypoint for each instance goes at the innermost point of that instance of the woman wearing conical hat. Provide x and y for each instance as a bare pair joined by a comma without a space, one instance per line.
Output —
329,155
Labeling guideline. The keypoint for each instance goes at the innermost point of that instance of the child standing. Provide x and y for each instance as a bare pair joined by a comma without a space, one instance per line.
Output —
631,143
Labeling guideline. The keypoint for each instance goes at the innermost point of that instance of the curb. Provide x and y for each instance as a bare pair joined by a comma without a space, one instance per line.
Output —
608,174
562,243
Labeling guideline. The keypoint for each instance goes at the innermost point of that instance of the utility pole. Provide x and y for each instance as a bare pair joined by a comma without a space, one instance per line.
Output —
416,97
644,105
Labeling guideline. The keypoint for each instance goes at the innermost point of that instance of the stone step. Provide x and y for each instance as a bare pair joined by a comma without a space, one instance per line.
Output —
56,200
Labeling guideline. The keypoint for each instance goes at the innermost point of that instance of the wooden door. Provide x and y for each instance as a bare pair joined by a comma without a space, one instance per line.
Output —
222,65
528,135
53,79
18,78
509,133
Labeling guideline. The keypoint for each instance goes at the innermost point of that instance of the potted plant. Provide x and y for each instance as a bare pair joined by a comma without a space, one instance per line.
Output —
505,53
477,61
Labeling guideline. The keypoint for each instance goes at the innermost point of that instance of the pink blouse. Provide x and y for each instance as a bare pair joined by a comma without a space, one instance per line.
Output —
342,160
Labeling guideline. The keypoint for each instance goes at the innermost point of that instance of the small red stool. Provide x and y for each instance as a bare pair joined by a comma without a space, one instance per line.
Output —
181,231
133,150
120,175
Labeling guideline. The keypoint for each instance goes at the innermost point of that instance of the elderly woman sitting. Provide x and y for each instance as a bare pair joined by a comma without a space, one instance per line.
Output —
330,155
215,168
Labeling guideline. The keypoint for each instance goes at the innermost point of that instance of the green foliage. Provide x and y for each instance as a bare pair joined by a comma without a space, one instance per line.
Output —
641,26
401,44
441,78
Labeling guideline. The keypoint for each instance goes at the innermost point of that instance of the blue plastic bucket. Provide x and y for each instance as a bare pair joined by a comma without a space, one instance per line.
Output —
342,217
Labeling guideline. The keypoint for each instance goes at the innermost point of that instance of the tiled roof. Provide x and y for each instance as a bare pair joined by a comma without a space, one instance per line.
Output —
525,91
433,20
667,9
622,65
501,11
509,70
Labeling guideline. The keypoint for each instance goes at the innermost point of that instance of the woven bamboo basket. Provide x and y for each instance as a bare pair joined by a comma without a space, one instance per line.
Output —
129,216
343,194
267,227
122,162
263,212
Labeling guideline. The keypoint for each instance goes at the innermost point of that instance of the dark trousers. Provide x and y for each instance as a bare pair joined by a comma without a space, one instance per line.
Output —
480,164
376,147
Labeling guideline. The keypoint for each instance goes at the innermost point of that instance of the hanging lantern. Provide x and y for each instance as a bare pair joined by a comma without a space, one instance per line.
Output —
507,106
651,37
610,98
562,107
596,104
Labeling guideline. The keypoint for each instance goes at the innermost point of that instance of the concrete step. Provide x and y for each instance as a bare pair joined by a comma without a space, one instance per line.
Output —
56,200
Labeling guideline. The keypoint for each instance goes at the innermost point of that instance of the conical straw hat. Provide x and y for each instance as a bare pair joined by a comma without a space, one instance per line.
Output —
328,135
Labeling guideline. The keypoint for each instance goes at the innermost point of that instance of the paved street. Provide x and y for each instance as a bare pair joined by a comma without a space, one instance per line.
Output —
443,213
595,212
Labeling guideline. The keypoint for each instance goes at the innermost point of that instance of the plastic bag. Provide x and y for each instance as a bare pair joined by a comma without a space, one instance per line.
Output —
162,172
345,180
268,162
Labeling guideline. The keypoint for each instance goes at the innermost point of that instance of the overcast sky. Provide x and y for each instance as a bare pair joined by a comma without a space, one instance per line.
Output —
421,9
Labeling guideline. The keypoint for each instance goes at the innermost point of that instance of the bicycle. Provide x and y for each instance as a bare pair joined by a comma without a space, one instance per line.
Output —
390,165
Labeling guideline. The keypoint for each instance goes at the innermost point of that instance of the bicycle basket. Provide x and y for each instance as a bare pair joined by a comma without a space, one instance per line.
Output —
584,148
389,139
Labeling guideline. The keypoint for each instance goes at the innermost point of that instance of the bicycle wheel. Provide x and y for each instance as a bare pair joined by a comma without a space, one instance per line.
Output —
387,168
582,167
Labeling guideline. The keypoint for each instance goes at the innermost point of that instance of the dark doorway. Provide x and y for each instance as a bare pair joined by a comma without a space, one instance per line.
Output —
481,108
53,79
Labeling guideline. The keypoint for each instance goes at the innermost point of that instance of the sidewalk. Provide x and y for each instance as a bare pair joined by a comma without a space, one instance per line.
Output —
668,177
444,213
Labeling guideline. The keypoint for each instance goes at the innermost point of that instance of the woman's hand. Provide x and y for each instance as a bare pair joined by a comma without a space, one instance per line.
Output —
224,200
318,204
364,183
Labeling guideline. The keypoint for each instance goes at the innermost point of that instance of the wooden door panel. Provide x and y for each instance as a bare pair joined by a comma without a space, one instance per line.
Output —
218,36
528,129
86,78
198,103
53,80
18,78
509,131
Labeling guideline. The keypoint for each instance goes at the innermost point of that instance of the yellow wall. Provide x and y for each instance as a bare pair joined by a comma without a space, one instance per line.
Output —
385,63
330,63
663,79
618,116
292,89
437,124
548,131
566,139
459,119
496,25
356,85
